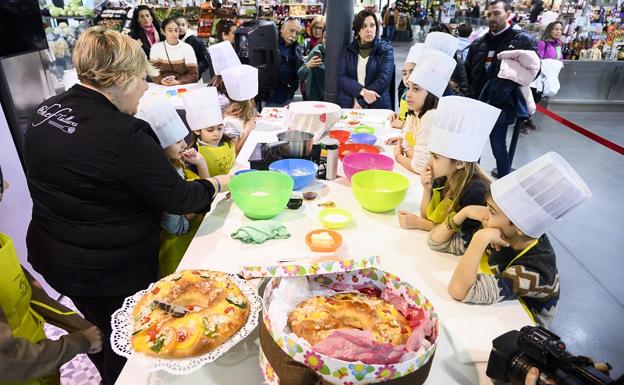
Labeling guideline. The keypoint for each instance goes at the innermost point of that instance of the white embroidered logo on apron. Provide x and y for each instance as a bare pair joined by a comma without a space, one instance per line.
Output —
57,116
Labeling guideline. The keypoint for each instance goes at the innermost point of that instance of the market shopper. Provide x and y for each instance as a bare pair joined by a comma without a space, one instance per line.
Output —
482,67
291,59
549,47
26,355
390,21
312,72
145,28
100,182
174,59
201,53
225,30
365,66
317,32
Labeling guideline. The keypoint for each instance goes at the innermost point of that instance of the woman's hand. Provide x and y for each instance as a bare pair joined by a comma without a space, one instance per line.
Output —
369,96
394,140
169,81
193,157
315,61
426,177
409,221
94,336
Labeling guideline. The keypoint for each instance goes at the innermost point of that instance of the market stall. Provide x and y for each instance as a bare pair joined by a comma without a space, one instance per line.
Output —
462,349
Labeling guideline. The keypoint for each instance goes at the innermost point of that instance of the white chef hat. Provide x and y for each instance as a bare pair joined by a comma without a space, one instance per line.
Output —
241,82
202,108
223,56
461,127
443,42
414,53
165,122
433,72
539,193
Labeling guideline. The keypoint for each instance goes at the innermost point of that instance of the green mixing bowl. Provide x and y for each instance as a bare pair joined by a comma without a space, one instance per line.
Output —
379,190
261,194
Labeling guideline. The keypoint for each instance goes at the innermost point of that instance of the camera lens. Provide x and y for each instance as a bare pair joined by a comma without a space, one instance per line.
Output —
519,368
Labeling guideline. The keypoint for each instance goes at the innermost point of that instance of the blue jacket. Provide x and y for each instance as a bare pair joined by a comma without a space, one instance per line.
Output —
378,74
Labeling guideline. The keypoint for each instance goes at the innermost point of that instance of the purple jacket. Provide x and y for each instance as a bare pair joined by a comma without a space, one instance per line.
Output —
548,49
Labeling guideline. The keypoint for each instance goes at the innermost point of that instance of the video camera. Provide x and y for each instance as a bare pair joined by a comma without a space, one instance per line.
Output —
516,352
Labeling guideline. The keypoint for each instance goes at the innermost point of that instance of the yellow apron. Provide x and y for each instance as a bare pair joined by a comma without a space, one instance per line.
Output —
403,106
484,268
15,299
173,247
219,159
438,208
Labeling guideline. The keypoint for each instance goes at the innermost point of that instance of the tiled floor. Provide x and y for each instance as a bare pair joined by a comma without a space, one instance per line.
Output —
589,241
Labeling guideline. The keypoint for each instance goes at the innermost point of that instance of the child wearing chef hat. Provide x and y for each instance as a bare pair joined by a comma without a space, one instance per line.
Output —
453,179
205,120
222,56
413,56
448,44
426,85
178,229
511,257
241,83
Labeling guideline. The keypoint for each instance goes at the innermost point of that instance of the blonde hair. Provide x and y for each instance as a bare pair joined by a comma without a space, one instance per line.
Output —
104,58
319,19
243,110
457,181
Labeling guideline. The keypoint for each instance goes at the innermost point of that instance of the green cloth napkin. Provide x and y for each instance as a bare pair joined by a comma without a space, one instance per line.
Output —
261,231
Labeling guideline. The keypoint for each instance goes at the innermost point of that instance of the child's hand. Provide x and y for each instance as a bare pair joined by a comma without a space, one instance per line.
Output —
94,336
398,150
408,220
396,122
193,157
426,177
392,117
494,237
478,213
394,140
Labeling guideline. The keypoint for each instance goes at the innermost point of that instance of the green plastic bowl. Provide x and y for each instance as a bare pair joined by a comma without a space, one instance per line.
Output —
261,194
379,190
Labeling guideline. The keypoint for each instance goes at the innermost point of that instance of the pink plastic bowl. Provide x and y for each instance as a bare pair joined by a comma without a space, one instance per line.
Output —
362,161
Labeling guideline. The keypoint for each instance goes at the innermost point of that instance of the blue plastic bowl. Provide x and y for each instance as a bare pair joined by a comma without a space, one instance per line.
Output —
244,171
363,138
302,171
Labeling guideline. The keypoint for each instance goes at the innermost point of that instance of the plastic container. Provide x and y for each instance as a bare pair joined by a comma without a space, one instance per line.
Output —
363,138
261,194
354,163
302,171
379,190
335,218
341,135
364,130
337,241
350,148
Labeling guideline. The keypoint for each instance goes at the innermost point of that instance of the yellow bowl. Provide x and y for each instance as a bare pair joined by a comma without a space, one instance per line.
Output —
335,218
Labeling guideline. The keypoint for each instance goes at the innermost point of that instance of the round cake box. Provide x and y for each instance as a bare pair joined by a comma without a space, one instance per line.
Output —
337,371
313,117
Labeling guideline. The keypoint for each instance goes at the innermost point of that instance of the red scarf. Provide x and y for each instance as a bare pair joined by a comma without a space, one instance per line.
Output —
151,34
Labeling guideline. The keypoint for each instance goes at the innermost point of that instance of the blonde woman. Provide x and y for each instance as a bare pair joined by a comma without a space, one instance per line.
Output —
315,34
100,182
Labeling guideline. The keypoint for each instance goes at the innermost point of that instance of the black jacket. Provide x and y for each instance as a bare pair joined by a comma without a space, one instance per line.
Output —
99,182
142,37
459,78
509,39
201,53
